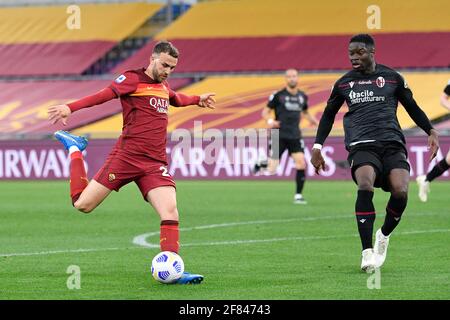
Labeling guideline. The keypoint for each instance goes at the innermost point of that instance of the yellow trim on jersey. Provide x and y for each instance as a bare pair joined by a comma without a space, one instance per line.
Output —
150,93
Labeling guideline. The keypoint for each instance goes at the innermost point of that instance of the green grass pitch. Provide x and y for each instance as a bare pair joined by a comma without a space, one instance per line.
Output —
247,238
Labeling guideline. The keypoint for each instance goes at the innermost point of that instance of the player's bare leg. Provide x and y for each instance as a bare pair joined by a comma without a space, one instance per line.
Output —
398,181
272,166
164,201
365,214
300,165
86,196
91,197
299,159
266,166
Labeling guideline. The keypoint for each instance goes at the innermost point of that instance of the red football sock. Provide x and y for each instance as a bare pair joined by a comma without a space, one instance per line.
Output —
169,236
78,177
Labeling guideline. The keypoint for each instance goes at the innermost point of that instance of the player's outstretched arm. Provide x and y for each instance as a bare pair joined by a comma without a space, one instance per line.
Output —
63,111
205,100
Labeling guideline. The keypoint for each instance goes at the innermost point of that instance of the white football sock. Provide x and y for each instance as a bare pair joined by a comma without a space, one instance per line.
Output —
73,149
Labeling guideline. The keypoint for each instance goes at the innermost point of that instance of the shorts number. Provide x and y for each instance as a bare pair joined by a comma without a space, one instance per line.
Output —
164,171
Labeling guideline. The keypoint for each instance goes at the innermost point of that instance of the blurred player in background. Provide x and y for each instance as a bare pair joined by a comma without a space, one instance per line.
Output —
140,152
375,141
424,181
289,104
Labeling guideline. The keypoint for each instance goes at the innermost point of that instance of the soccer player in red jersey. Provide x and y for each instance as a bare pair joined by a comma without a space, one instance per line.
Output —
140,152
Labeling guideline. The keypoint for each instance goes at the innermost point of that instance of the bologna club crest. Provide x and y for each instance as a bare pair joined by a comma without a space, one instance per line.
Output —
380,82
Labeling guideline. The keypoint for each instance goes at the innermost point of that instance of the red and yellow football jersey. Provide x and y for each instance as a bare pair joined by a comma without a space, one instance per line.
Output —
145,104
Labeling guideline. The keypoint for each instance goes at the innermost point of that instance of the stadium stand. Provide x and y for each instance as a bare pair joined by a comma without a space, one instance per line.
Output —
310,36
138,38
444,127
241,99
212,19
38,41
23,106
302,52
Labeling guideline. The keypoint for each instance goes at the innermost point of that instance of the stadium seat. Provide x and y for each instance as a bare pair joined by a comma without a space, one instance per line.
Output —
23,106
306,35
41,40
301,52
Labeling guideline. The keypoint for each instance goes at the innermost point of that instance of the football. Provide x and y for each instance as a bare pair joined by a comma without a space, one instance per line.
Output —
167,267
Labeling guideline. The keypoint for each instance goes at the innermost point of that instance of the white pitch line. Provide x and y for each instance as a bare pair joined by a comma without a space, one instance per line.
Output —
39,253
250,241
306,238
141,240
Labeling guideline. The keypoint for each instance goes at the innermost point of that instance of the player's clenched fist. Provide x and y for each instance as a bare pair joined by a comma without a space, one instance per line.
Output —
273,124
59,113
317,160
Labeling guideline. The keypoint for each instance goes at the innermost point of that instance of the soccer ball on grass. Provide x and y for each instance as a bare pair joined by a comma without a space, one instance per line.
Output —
167,267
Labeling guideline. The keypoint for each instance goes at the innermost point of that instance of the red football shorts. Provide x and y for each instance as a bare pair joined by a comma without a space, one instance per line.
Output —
148,174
